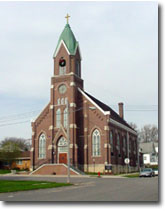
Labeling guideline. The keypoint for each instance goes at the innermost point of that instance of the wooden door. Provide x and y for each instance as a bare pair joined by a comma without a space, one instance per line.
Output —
63,158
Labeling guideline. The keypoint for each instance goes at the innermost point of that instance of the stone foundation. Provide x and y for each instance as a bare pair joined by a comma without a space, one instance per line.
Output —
116,169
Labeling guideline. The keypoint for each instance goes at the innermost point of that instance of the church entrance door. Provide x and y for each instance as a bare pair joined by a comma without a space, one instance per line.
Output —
63,158
62,150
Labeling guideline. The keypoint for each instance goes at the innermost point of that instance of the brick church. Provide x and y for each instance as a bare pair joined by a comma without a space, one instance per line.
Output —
98,136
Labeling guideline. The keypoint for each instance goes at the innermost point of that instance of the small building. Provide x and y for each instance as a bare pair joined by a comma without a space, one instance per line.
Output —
22,162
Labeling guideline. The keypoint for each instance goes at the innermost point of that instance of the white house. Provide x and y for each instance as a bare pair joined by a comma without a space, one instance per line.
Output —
150,153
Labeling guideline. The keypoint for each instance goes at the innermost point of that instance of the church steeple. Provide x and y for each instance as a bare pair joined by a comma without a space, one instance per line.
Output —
69,40
67,57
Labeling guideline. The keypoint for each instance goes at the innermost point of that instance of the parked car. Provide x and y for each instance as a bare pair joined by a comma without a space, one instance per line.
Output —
147,172
155,172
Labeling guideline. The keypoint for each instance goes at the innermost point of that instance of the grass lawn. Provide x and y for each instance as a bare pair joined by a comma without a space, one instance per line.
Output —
4,171
131,175
12,186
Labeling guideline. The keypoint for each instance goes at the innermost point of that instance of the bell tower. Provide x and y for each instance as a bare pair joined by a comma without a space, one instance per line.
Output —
64,89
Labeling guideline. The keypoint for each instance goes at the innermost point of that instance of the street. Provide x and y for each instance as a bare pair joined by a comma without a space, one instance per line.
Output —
89,189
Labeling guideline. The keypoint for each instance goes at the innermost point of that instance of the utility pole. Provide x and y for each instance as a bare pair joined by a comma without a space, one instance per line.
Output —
128,150
68,137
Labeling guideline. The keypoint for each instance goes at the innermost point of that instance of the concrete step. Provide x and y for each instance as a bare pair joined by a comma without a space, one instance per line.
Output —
54,169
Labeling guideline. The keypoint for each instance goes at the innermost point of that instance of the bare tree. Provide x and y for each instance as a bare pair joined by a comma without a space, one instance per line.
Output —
134,126
11,148
149,133
9,151
23,144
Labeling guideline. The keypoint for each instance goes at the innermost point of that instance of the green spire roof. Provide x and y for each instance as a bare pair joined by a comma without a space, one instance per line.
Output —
69,39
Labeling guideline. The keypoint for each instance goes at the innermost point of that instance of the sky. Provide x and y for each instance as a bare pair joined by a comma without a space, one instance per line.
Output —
119,48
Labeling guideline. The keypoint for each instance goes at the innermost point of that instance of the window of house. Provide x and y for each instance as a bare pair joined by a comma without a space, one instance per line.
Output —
111,141
42,146
58,118
65,117
19,162
96,143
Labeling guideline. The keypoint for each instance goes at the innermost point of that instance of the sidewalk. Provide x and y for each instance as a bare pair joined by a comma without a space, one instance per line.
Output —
56,176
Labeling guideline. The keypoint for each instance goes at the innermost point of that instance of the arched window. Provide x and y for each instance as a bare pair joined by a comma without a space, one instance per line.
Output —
96,143
62,145
65,117
58,118
111,141
42,146
58,101
66,100
62,101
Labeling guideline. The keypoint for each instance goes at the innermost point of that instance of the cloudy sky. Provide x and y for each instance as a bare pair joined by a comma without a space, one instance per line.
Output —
119,47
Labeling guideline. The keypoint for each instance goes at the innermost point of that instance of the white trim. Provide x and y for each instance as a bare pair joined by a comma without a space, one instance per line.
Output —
72,104
79,50
58,132
40,113
51,106
61,42
85,146
72,83
71,146
23,158
104,112
105,146
32,149
51,127
122,126
73,126
50,147
106,128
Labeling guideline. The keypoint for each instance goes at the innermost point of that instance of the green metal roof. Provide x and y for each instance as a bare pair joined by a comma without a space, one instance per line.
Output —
69,39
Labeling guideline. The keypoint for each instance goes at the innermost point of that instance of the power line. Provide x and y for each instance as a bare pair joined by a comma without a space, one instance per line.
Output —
19,114
27,115
13,123
13,115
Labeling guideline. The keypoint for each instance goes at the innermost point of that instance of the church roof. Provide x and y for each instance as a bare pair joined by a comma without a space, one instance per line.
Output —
113,114
69,39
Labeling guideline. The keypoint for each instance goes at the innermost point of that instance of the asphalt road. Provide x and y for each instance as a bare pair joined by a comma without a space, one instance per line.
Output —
89,189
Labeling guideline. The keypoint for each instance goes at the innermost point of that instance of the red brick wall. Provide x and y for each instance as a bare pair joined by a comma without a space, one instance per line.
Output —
51,169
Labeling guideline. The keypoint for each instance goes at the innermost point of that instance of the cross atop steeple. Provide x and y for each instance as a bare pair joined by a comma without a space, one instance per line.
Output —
67,17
